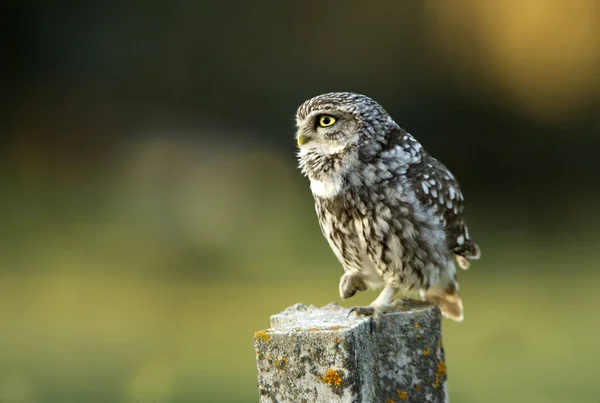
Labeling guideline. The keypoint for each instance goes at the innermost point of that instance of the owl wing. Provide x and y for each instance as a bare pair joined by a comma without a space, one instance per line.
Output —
438,190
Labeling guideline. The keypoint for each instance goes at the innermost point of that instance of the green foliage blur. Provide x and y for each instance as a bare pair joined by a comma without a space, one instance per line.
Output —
152,216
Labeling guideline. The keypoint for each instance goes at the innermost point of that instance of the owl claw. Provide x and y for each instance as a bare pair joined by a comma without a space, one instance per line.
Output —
362,310
374,315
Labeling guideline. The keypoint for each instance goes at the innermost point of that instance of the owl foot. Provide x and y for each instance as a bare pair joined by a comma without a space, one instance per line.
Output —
375,312
370,310
350,283
380,306
362,310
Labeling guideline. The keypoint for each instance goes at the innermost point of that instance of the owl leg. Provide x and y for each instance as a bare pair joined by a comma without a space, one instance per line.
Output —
381,305
350,283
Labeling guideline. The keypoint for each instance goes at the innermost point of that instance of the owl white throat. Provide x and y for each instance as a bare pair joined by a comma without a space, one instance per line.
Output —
328,188
328,185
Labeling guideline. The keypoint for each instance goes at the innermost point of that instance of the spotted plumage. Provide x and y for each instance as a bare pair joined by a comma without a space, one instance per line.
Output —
392,214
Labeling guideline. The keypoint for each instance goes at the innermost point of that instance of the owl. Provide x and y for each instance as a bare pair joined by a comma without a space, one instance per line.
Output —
391,213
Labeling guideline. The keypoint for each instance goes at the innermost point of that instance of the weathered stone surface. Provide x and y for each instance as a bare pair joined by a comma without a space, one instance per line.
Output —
318,355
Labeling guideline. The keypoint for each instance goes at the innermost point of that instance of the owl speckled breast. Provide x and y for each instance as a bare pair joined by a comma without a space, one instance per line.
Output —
347,230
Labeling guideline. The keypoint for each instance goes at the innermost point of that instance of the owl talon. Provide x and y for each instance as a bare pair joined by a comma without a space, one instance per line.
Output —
362,310
374,314
375,320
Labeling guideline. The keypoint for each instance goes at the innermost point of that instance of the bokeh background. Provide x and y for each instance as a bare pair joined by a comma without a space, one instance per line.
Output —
152,215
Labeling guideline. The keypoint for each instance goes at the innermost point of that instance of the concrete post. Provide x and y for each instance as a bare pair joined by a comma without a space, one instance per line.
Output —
318,355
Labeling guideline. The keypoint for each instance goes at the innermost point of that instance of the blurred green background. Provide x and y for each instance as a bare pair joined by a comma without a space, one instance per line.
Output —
153,216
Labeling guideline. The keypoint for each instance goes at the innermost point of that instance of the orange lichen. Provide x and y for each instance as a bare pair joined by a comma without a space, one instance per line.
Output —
336,340
313,329
333,377
268,357
262,335
425,351
417,387
389,401
441,370
337,327
280,364
402,395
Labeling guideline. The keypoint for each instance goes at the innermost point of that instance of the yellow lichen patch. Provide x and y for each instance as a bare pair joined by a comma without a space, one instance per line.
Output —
441,370
262,335
336,340
313,329
337,327
425,351
280,364
439,342
417,387
333,377
389,401
402,395
417,326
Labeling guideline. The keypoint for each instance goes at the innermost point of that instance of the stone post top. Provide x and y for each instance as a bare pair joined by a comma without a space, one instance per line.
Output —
335,317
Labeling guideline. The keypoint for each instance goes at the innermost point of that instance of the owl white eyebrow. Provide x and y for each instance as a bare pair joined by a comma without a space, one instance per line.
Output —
320,112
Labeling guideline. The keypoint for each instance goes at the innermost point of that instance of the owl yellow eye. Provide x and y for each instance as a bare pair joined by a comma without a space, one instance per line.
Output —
326,121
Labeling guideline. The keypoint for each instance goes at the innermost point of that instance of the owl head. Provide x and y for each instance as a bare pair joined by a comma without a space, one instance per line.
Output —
337,129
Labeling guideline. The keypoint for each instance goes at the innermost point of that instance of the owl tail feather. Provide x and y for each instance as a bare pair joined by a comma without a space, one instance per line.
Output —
448,300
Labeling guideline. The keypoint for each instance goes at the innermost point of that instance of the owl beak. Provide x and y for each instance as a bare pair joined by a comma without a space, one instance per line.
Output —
302,139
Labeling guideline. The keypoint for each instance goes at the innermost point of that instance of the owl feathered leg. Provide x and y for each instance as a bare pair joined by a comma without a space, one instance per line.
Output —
382,304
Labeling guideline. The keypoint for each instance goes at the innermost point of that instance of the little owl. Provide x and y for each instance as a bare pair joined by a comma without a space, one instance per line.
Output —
392,214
